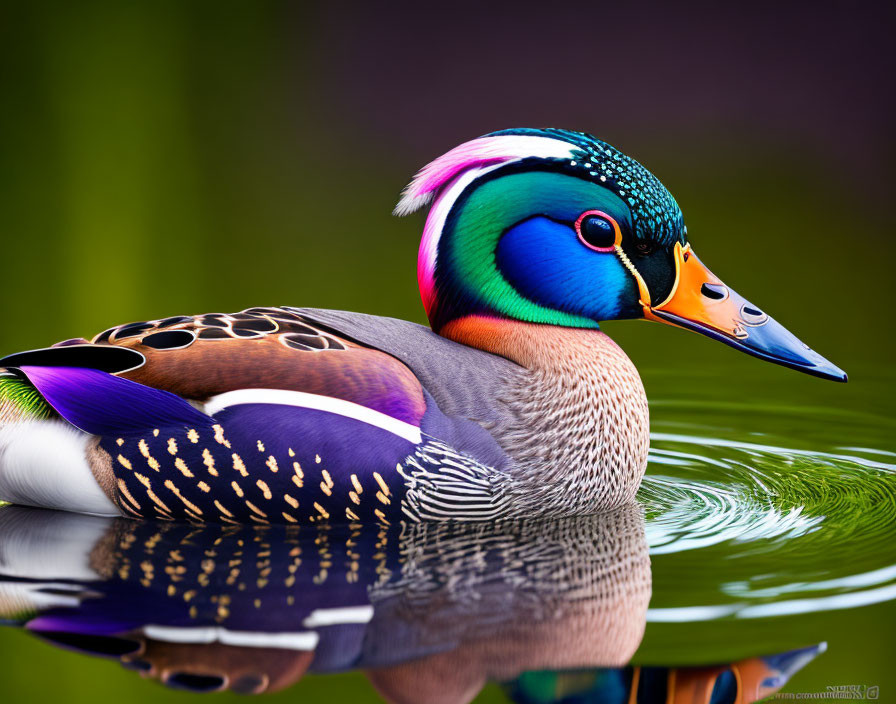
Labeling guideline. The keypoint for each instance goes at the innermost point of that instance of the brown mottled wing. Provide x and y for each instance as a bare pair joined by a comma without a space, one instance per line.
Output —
200,356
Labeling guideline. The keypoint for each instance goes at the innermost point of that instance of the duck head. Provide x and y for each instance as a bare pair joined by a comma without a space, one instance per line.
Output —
557,227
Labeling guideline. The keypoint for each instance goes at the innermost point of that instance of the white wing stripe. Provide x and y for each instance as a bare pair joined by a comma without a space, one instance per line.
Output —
316,402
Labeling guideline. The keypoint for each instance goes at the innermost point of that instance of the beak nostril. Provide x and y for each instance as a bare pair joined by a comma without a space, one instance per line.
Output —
714,291
753,316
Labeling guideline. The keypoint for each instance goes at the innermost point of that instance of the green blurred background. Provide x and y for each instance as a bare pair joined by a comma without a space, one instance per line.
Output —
185,157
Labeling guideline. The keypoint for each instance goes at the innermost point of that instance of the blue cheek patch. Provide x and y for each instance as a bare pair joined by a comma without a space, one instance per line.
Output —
545,262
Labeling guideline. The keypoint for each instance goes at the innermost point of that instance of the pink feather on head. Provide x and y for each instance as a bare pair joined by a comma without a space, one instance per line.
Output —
443,179
433,176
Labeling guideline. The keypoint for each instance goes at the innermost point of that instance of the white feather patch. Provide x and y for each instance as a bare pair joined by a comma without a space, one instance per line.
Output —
44,463
317,402
338,615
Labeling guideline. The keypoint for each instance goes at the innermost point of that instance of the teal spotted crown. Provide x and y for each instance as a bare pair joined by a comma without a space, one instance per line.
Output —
655,212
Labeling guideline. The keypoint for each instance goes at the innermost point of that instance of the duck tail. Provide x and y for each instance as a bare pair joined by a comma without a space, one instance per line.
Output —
19,400
43,458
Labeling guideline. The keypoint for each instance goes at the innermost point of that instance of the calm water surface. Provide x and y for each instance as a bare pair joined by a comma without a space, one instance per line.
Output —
761,555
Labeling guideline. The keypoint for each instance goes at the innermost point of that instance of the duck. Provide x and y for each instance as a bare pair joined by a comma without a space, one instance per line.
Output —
513,403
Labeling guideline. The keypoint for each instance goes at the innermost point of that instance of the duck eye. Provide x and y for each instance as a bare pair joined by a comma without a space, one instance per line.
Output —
598,231
644,248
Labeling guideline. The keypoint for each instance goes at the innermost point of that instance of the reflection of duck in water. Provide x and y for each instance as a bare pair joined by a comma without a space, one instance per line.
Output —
430,612
739,682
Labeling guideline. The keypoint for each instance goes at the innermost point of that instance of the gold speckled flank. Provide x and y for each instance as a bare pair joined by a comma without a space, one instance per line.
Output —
383,486
265,489
255,509
238,465
355,494
182,466
132,502
209,462
150,460
185,479
219,436
162,510
174,490
326,484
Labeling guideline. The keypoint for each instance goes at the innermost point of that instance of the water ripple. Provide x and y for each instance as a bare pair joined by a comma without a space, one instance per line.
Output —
766,527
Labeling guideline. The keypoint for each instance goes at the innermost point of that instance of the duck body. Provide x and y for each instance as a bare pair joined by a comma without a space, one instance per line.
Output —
329,415
514,404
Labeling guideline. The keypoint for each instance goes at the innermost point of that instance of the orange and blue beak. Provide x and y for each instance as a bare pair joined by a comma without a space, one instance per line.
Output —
699,301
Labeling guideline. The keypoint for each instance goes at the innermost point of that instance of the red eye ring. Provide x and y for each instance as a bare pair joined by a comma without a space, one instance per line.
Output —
609,218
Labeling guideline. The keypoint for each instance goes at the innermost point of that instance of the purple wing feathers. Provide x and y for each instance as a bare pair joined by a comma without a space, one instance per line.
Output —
103,404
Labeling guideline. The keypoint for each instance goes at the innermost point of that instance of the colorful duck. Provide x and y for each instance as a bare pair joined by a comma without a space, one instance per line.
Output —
513,404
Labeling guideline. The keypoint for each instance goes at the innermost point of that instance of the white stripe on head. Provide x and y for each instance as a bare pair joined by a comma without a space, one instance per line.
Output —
432,231
301,399
446,178
484,151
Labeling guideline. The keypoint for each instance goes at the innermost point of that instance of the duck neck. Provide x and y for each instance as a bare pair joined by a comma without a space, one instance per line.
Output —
578,418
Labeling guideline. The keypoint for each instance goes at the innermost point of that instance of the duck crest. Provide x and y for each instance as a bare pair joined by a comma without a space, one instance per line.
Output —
577,425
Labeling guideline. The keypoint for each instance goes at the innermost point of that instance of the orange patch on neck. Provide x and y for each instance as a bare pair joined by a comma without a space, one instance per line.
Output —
532,345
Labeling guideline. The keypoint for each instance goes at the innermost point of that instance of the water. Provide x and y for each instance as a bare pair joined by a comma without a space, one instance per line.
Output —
772,539
761,552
